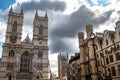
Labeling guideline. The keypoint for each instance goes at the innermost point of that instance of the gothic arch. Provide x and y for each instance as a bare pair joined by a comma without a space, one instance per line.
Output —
14,29
25,62
9,75
39,76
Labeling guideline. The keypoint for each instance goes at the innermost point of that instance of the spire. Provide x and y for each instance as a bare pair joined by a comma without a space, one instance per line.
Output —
46,14
10,10
22,10
36,14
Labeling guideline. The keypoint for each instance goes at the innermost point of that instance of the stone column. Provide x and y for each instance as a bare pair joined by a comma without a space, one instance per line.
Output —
82,55
92,59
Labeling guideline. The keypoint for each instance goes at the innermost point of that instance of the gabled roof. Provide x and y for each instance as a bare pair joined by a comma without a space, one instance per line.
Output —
110,33
27,39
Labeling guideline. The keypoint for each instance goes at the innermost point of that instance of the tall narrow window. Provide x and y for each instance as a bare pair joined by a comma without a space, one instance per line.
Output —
25,62
14,29
117,56
11,53
113,71
119,69
107,61
106,42
41,30
111,58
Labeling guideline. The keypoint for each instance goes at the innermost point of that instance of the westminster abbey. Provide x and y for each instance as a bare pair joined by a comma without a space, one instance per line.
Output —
27,59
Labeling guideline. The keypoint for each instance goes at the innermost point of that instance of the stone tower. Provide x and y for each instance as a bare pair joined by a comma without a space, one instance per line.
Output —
117,29
82,55
91,54
89,30
40,39
40,29
27,59
62,65
14,27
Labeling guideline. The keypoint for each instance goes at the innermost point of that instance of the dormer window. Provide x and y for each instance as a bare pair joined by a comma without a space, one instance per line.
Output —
41,30
14,29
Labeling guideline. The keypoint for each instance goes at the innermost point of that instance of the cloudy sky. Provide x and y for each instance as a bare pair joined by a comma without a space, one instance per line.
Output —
66,19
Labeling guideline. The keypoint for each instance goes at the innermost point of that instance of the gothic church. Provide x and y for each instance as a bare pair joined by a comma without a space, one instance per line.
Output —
27,59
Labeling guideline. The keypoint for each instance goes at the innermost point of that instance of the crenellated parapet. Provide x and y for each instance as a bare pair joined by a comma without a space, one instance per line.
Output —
89,30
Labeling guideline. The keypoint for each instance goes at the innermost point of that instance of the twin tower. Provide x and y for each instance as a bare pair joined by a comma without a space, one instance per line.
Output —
27,59
15,24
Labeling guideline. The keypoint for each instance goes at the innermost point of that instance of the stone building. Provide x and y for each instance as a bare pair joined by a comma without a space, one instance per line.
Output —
62,66
27,59
100,54
73,68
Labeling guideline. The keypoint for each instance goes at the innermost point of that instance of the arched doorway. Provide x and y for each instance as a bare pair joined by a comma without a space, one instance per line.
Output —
25,62
9,75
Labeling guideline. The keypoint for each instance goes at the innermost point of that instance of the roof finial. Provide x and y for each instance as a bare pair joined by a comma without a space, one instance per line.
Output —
36,14
46,14
22,10
10,10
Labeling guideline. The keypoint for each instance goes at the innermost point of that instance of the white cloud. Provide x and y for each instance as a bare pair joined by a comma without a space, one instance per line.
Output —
71,6
2,31
53,59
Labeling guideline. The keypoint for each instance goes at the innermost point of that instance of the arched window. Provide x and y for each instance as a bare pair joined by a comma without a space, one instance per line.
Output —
41,30
10,67
25,62
11,53
14,29
40,54
106,42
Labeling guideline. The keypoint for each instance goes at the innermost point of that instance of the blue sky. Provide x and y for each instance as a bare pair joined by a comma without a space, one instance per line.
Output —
4,4
99,2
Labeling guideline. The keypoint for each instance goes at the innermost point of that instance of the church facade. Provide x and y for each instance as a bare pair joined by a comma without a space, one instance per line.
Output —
27,59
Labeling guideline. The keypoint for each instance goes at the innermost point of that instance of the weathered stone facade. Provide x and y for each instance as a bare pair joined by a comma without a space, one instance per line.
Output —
100,54
73,69
62,66
27,59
